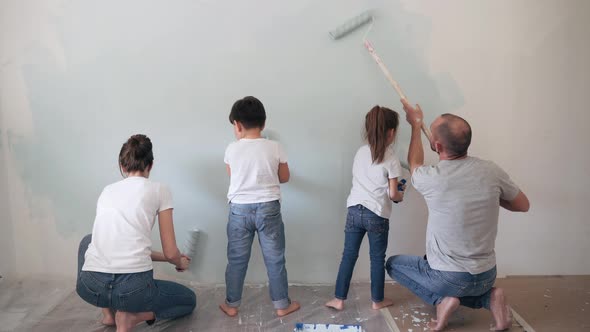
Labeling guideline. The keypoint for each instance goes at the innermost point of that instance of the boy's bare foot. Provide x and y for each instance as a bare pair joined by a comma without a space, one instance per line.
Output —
230,311
294,306
108,317
126,321
500,310
335,303
443,311
385,303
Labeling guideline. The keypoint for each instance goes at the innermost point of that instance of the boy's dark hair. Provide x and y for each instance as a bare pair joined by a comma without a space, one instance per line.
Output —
249,111
378,122
136,154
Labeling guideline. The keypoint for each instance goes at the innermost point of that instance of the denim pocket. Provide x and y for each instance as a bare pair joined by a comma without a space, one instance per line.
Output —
377,225
87,288
350,226
456,283
270,210
136,294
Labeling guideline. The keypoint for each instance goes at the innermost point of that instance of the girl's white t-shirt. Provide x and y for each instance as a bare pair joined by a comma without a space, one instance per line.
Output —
370,182
125,215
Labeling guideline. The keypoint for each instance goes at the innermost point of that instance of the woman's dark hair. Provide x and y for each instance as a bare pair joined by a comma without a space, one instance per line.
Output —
378,122
136,154
249,111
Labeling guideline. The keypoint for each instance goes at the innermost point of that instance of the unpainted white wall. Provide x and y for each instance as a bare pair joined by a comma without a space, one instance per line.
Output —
79,77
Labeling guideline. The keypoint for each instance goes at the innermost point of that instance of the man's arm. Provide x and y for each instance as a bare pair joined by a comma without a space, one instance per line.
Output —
519,204
414,116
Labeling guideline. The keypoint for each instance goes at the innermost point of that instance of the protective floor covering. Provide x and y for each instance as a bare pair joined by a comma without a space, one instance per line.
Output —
547,304
54,306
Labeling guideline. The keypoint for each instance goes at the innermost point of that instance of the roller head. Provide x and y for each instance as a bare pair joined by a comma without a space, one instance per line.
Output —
191,244
351,25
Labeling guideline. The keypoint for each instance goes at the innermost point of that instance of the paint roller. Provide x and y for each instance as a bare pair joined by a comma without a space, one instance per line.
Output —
353,24
191,244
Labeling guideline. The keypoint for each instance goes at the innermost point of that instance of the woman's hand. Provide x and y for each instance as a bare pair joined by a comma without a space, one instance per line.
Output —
185,262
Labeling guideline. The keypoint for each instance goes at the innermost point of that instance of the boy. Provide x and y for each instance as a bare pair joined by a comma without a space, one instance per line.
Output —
256,167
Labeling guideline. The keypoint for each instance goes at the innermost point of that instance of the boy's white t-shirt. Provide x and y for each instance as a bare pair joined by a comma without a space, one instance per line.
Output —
254,165
370,182
121,235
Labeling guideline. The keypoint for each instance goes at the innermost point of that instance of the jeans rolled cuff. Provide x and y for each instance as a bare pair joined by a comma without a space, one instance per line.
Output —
377,301
282,304
343,298
235,304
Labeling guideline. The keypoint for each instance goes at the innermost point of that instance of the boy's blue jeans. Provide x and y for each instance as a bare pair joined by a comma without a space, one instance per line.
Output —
414,273
132,292
244,221
359,221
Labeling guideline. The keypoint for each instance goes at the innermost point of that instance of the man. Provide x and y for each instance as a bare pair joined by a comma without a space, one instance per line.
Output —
463,195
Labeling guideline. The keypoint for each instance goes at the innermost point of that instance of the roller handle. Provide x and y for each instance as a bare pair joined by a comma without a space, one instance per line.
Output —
395,85
400,187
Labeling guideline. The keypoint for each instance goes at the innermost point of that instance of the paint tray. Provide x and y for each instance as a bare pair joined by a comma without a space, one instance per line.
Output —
301,327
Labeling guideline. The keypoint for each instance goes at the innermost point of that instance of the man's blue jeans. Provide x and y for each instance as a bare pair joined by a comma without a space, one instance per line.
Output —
359,221
244,221
414,273
132,292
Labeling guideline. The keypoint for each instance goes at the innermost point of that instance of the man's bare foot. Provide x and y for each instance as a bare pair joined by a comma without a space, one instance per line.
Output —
443,311
230,311
108,317
500,310
385,303
294,306
126,321
335,303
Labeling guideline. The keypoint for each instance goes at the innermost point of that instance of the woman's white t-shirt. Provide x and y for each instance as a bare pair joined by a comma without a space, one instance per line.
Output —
370,181
121,235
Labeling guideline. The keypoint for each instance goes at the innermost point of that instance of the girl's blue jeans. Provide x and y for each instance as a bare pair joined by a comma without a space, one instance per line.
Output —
414,273
244,221
133,292
359,221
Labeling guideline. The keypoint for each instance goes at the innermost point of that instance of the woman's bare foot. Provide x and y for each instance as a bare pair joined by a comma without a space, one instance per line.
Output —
385,303
500,310
230,311
335,303
108,317
443,311
294,306
126,321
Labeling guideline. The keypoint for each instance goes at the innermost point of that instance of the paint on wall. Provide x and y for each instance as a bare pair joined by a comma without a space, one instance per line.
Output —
79,77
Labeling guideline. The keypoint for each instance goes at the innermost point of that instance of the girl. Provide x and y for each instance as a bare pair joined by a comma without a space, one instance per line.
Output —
374,185
115,262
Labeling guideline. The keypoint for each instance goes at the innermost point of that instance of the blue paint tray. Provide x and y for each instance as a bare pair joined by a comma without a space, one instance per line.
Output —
301,327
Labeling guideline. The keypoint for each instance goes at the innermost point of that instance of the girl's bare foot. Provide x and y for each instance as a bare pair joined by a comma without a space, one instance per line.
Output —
335,303
294,306
443,311
230,311
126,321
108,317
385,303
500,310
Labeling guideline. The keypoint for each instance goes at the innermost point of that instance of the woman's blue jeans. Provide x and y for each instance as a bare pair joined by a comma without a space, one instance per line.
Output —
359,221
133,292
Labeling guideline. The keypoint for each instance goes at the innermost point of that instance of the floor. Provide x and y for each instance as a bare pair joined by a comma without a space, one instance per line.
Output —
539,303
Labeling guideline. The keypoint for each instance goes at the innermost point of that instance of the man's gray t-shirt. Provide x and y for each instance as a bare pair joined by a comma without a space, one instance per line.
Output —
463,198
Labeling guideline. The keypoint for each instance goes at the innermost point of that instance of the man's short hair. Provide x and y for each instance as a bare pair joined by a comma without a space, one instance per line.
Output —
455,134
249,111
